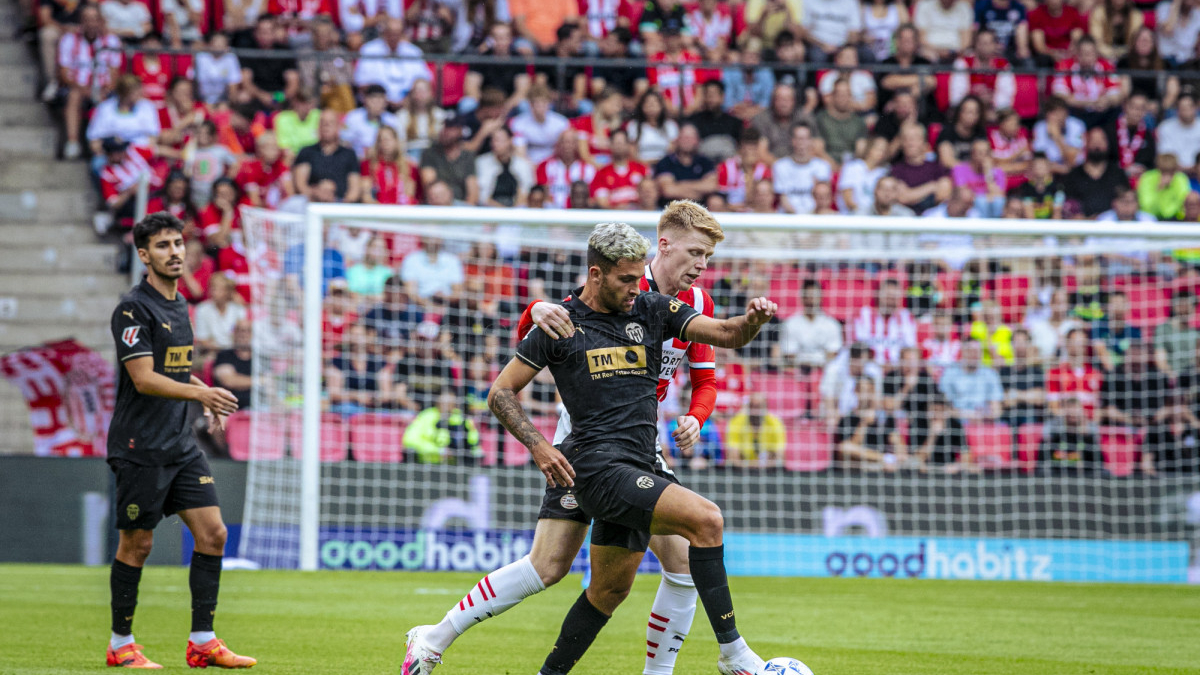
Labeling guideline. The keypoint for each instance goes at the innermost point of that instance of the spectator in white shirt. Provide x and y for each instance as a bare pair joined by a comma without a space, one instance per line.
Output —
504,178
945,28
127,19
217,70
391,61
1178,30
125,115
811,338
536,131
1125,208
1059,136
361,125
217,316
828,25
433,276
183,19
1181,134
856,185
837,386
796,175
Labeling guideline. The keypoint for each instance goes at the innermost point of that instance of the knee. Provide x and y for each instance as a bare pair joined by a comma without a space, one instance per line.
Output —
607,598
135,548
710,525
213,539
551,569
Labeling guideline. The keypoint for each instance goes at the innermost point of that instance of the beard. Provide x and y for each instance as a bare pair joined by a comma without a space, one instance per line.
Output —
1095,156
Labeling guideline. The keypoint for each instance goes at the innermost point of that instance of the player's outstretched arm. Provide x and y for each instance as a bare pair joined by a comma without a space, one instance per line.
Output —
141,371
734,332
504,404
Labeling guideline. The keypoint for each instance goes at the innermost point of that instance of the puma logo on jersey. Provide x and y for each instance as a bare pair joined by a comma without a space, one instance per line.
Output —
167,326
128,314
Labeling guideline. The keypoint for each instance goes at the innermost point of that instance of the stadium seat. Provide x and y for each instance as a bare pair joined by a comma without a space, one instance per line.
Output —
334,436
1026,101
453,78
489,442
991,445
1149,303
1029,441
1011,292
377,437
237,434
790,394
942,94
1120,448
809,447
845,293
785,290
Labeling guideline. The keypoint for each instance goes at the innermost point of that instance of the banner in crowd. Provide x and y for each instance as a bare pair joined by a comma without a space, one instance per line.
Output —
70,391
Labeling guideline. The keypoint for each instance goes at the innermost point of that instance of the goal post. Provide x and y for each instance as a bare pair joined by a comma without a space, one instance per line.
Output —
326,482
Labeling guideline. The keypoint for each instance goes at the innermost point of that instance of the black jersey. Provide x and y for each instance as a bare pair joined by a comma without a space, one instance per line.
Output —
151,430
607,372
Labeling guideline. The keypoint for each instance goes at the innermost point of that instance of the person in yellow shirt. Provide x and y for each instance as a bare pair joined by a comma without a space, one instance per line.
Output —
443,434
755,438
995,336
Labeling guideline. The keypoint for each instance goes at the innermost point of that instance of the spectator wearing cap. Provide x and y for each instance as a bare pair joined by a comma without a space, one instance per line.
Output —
842,129
504,178
685,173
1060,136
718,129
1094,183
123,168
449,161
271,75
795,175
1053,28
1178,28
923,182
127,19
391,61
1162,190
328,159
828,25
539,20
361,125
776,122
1181,134
945,28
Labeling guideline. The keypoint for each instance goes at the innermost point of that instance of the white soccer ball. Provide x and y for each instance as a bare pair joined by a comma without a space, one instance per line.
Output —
783,665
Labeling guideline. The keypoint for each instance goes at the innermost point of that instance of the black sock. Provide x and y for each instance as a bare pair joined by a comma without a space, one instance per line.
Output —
708,573
579,629
123,582
205,580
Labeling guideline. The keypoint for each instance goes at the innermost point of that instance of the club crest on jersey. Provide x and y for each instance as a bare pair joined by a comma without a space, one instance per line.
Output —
635,331
645,482
130,335
568,501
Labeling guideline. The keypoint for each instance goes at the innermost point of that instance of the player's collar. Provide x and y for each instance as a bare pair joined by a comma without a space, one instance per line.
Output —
650,279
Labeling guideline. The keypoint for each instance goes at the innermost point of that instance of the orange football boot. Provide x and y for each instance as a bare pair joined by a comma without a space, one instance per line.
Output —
129,656
214,653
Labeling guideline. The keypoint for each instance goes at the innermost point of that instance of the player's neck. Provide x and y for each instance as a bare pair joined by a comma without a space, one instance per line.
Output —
590,296
665,285
167,287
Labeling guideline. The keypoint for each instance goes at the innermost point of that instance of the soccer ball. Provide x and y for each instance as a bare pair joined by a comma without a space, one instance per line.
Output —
783,665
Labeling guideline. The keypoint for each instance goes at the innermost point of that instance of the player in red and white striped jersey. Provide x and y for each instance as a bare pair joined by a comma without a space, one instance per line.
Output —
687,234
563,169
616,185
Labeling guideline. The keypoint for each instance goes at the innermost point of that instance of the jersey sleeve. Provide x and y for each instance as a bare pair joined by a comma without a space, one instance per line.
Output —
674,314
131,329
700,355
536,350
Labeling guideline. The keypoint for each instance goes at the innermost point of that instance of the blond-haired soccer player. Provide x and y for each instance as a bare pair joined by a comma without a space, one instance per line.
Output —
687,235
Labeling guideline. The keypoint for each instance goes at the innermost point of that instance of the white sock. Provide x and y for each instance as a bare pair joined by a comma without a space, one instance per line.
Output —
201,637
118,641
735,648
492,596
670,620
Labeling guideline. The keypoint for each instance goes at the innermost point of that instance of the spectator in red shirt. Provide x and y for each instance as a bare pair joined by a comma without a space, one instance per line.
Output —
125,166
1075,377
89,60
1011,148
265,179
179,117
176,199
737,175
996,90
1089,85
220,218
616,185
1054,27
156,72
389,176
677,83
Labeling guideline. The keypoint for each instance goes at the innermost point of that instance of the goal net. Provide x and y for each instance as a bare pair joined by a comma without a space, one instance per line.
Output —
937,398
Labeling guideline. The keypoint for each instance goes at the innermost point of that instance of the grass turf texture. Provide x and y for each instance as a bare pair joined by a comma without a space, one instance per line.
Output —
55,620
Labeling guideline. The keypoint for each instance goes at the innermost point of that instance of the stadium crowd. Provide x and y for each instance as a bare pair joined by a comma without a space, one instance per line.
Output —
759,106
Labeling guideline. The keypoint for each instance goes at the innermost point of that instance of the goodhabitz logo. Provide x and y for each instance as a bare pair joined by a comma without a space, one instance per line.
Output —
940,559
478,551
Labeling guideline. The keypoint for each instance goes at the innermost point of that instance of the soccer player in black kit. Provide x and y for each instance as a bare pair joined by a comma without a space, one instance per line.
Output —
607,374
158,466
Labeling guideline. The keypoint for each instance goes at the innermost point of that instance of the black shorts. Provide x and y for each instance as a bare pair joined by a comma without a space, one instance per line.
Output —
147,494
560,503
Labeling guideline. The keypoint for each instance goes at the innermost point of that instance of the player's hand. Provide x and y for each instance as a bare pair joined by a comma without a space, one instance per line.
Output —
215,422
686,433
759,311
552,319
220,401
553,465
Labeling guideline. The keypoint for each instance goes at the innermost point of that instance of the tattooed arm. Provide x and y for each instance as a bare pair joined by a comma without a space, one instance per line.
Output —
504,404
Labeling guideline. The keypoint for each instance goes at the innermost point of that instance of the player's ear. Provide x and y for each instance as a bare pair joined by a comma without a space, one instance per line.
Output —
144,256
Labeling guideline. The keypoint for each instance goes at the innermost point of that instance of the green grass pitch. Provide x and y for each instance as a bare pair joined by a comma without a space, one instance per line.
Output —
54,619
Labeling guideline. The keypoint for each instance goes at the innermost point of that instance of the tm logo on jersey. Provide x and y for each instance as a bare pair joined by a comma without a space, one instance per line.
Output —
178,359
610,361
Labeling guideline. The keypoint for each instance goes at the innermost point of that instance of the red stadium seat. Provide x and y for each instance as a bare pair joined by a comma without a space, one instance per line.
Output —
789,395
1120,448
238,434
809,447
1026,101
991,445
377,437
845,293
785,290
334,437
942,92
1011,292
489,442
453,78
1149,303
1029,441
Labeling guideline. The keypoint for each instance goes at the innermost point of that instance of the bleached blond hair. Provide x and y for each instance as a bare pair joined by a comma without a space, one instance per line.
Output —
683,215
611,243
